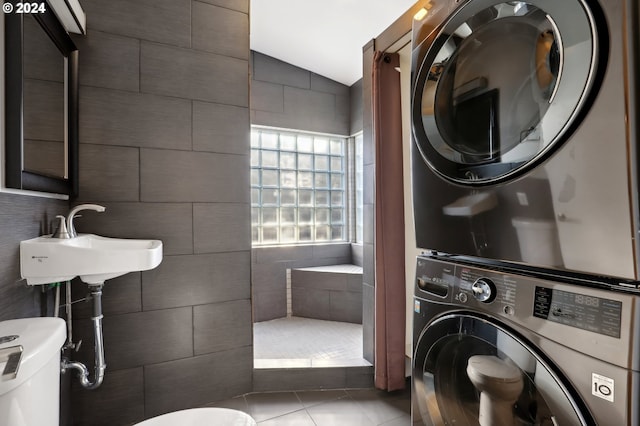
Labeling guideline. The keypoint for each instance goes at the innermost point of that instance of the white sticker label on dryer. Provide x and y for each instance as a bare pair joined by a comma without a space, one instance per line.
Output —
602,387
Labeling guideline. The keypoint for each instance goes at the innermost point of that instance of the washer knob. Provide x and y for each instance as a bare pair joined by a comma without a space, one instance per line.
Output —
484,290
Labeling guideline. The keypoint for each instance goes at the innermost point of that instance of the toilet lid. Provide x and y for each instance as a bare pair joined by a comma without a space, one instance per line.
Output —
486,368
201,417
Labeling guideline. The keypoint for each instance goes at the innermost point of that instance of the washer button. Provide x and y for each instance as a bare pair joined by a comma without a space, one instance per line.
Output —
462,297
509,310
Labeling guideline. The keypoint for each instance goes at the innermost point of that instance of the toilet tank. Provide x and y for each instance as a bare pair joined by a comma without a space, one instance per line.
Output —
31,396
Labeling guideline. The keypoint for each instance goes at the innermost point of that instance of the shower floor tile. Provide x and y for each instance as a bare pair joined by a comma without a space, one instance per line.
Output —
303,343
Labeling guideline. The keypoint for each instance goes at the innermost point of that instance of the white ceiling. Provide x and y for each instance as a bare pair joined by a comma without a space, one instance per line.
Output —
324,36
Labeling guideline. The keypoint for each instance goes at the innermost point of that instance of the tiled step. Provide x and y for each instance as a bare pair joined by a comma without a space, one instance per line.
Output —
331,293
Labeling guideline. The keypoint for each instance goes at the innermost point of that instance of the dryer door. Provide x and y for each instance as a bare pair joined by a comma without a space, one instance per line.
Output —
447,386
500,85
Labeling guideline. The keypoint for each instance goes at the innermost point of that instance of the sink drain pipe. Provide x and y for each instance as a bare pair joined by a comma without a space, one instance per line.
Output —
100,364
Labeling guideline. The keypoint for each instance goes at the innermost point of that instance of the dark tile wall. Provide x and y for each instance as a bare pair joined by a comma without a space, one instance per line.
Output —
272,380
331,296
368,253
21,218
269,273
285,96
164,131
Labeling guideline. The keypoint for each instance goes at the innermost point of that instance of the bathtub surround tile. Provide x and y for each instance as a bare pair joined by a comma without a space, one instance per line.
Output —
169,222
220,30
220,227
109,173
109,61
220,128
194,75
143,338
180,176
111,117
193,382
164,21
195,280
119,400
222,326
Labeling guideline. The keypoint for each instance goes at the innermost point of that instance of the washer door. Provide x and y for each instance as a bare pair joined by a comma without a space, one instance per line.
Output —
501,85
443,394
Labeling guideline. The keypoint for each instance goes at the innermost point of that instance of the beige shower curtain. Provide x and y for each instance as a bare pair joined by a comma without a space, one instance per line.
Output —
389,225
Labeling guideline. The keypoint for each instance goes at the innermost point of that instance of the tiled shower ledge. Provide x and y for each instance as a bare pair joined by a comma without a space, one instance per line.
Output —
340,269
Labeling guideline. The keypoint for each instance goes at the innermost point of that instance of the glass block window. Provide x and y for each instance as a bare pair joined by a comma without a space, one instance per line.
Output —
358,166
297,187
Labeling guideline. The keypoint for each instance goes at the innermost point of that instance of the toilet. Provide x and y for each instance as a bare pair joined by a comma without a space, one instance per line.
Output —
538,241
500,384
30,394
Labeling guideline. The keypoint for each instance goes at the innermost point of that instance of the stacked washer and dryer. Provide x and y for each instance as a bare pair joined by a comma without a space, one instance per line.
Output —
525,190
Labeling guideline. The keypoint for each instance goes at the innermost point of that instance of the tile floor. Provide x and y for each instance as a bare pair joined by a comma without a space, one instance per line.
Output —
347,407
304,342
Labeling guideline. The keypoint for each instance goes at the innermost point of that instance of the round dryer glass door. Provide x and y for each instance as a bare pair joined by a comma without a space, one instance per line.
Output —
466,368
502,84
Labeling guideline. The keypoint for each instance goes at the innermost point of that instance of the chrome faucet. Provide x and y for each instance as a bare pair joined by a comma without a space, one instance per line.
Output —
71,230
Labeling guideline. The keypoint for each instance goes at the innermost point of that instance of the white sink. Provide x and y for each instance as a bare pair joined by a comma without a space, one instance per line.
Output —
93,258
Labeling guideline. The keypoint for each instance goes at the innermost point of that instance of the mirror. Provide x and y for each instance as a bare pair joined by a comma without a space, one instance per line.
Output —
41,89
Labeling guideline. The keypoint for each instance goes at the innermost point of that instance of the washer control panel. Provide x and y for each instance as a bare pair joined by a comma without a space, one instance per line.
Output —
484,290
591,313
495,291
518,297
467,286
